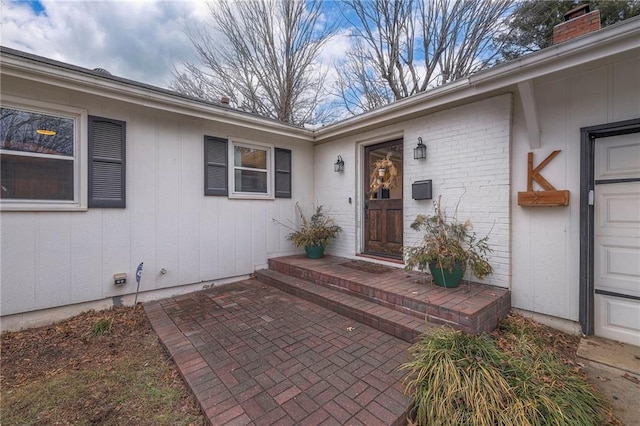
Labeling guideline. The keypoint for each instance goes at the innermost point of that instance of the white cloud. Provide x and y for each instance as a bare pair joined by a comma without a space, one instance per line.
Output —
330,59
139,40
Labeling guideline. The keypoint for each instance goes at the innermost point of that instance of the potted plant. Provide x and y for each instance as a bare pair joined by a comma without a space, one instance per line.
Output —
314,233
447,248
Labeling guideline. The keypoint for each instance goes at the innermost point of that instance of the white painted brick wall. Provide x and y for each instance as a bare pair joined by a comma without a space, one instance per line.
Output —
332,190
468,153
468,163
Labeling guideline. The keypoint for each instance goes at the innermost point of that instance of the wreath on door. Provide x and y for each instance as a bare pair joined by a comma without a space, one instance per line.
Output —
384,174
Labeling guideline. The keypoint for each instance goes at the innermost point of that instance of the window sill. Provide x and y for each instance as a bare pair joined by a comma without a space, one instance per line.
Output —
241,196
40,207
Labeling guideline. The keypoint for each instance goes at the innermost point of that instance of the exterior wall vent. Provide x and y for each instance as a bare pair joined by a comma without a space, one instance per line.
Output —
101,71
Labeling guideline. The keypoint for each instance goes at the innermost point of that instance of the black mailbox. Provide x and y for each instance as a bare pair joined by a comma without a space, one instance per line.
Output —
421,190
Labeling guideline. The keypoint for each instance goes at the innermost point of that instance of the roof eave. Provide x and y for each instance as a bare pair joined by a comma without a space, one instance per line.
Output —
618,38
157,98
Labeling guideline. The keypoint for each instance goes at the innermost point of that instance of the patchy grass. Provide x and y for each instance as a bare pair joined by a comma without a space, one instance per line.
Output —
103,326
104,368
519,375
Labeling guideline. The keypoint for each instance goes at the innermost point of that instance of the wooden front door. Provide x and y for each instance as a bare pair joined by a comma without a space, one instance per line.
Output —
383,202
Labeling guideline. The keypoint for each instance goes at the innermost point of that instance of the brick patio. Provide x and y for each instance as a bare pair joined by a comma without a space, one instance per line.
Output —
252,354
312,341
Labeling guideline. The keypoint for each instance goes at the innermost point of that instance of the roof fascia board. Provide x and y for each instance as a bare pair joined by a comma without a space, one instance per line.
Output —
396,111
618,38
72,80
607,42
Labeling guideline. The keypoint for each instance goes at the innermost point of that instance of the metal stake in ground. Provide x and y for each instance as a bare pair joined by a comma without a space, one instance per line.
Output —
138,277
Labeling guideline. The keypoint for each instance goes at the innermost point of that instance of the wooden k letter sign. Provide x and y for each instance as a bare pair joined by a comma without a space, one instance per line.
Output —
549,196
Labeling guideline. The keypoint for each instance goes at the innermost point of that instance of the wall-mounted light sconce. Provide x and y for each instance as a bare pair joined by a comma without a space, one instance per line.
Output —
339,166
420,151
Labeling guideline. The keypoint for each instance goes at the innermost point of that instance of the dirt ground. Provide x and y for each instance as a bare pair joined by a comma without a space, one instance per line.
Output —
97,368
562,344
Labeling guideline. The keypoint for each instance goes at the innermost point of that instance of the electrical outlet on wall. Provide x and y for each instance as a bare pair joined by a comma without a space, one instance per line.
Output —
119,279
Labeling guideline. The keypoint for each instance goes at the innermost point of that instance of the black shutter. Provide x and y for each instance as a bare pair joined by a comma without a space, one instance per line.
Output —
215,166
107,163
283,173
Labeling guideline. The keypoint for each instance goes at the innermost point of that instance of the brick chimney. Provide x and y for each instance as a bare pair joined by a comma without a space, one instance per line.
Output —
578,21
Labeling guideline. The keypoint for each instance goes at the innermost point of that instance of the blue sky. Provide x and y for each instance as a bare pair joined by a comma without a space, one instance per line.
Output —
35,5
135,39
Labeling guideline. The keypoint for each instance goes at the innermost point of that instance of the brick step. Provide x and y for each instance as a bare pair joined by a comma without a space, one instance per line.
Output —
402,300
472,307
381,295
390,321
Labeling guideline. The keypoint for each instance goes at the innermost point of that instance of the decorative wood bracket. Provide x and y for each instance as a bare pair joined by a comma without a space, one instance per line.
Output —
550,196
528,100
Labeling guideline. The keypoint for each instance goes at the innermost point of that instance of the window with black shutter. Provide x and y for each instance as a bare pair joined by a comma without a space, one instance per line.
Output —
107,163
283,173
215,166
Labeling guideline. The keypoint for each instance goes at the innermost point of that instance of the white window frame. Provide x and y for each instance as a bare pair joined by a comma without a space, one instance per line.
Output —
232,169
80,173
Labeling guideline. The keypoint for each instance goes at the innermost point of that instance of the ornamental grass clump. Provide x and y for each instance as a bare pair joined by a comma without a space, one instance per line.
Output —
447,242
317,230
102,326
456,379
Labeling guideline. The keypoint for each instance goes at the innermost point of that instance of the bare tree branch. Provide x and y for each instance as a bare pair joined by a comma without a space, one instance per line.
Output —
262,54
412,45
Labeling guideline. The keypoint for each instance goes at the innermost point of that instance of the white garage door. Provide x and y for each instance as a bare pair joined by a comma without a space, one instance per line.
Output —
617,238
